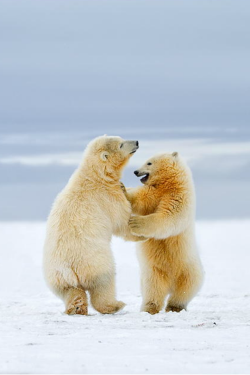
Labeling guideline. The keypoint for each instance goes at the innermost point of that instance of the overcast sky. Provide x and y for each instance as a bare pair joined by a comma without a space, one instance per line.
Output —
173,74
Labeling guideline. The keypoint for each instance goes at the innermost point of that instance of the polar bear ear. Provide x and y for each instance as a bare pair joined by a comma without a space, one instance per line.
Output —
175,154
104,155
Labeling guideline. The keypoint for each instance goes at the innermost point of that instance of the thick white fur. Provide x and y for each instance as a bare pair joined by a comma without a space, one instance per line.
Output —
92,207
165,209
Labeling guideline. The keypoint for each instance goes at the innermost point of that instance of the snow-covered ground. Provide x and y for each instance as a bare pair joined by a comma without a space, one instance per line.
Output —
213,336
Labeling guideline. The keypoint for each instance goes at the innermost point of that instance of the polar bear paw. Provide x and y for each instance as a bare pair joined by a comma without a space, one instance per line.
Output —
175,308
112,308
77,306
151,308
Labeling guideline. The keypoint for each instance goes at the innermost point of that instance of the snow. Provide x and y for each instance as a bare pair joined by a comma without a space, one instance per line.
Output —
213,336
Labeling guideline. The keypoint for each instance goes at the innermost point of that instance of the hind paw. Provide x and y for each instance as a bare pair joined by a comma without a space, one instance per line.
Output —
77,306
175,308
151,308
112,308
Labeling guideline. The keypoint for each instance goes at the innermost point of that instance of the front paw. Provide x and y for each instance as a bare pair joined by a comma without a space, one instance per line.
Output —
124,190
137,226
123,187
142,238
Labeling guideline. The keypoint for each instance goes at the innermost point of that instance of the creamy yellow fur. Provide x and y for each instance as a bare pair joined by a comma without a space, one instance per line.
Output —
169,261
92,207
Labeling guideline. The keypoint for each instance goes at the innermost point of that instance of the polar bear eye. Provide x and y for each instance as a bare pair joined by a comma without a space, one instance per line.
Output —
149,164
121,145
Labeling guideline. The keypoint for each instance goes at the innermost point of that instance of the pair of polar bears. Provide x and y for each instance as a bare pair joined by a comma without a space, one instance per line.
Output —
95,205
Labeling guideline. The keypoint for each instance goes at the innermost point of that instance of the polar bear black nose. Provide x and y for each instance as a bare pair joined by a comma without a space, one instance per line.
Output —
137,143
136,173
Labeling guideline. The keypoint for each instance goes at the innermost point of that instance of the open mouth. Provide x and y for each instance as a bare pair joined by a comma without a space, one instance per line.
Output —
144,178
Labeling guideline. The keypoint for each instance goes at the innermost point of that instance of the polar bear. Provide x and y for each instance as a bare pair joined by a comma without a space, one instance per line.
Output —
165,214
92,207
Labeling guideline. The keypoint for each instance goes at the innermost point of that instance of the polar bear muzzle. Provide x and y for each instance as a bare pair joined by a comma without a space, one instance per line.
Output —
130,146
144,174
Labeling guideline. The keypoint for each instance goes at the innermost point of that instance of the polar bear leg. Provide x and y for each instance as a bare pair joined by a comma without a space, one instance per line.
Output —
185,288
155,288
103,296
76,301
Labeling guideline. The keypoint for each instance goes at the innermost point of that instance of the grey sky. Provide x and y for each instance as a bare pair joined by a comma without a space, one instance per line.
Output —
173,74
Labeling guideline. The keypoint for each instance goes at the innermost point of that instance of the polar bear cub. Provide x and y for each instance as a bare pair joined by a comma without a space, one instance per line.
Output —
165,209
92,207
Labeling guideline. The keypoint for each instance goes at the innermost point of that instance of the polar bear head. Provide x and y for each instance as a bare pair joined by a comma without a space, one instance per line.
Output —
109,154
160,168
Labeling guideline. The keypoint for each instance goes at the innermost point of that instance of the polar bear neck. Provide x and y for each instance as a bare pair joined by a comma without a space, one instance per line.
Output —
99,176
178,180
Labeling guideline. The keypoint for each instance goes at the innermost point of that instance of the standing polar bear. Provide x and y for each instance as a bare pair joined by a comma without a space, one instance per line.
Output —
170,264
92,207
